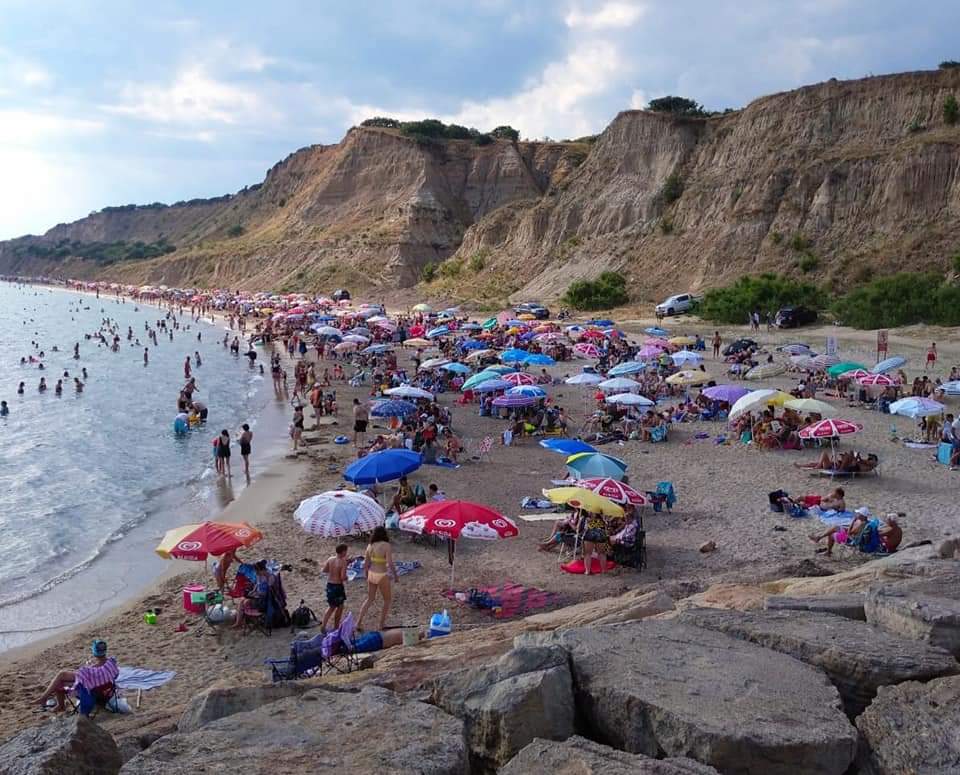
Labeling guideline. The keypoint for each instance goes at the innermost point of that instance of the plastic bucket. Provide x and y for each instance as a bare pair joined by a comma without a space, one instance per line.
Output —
410,636
188,604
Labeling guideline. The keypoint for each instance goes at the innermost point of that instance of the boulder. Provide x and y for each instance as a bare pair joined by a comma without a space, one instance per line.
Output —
75,745
661,687
849,606
527,693
858,657
579,756
373,730
219,702
912,728
926,609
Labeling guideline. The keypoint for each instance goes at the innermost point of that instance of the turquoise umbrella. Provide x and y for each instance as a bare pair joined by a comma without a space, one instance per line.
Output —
584,465
459,368
479,378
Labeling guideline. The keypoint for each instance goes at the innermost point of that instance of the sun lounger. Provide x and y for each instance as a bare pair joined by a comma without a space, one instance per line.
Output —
843,474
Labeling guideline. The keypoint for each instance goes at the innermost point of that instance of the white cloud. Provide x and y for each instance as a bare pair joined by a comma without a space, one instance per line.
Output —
18,73
609,16
26,128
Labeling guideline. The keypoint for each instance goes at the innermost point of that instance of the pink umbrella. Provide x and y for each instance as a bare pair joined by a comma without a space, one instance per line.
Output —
586,350
830,429
878,380
518,378
611,489
654,341
855,374
823,361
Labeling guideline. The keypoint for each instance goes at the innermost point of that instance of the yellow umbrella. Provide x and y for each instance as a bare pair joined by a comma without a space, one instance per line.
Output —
526,316
811,405
688,378
417,342
581,498
682,340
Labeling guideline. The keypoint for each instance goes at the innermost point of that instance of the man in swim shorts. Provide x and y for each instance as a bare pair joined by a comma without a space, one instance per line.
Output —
360,420
336,569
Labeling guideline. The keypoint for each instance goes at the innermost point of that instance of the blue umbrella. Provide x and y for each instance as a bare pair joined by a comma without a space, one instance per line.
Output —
584,465
630,367
377,348
500,369
528,391
655,331
459,368
393,408
472,327
382,466
891,363
492,385
472,344
510,356
440,331
567,446
539,359
601,323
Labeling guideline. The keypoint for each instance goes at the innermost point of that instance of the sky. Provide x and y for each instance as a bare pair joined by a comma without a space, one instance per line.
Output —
108,102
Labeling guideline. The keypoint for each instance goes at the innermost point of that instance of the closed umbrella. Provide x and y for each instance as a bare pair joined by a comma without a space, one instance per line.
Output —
339,513
382,466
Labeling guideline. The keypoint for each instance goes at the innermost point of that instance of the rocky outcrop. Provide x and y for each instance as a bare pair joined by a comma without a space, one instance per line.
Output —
924,609
848,606
525,694
663,687
579,756
857,657
373,730
75,745
219,702
912,728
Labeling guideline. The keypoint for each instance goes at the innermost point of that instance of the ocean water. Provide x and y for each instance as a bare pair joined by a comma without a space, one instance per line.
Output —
91,480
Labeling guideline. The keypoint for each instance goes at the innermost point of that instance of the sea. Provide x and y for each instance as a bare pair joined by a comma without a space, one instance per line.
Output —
91,480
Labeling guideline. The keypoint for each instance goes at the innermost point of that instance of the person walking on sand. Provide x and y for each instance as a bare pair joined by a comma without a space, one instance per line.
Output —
360,419
931,357
246,439
146,356
336,569
379,569
717,341
296,428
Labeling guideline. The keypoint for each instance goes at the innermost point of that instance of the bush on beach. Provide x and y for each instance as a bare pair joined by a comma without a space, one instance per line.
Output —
901,300
608,290
732,303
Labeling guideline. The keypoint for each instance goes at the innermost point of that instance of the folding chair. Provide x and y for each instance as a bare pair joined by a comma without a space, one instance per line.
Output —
87,702
571,544
663,497
633,555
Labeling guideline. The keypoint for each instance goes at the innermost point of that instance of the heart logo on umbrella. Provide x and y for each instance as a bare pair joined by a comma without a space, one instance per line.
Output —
189,546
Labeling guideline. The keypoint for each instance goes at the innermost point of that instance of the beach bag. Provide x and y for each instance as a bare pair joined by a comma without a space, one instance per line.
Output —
302,616
775,497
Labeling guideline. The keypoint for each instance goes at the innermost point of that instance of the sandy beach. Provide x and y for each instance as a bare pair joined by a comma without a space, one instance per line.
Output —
722,497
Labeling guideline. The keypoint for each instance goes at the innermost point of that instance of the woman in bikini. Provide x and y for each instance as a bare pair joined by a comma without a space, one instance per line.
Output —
379,569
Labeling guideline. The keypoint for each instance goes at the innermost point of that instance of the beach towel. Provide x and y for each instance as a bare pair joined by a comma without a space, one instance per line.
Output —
548,517
918,445
536,503
577,566
512,599
131,678
442,462
833,518
355,568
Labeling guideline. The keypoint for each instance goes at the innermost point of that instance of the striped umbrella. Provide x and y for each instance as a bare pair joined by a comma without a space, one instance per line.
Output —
518,378
339,513
854,374
650,351
798,348
611,489
619,385
530,391
765,370
825,360
622,369
511,401
587,350
689,378
492,385
878,380
891,363
393,408
830,429
207,539
587,464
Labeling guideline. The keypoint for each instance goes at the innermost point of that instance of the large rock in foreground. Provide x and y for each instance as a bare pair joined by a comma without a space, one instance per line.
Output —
219,702
912,728
373,730
849,606
858,657
924,609
663,687
74,745
579,756
525,694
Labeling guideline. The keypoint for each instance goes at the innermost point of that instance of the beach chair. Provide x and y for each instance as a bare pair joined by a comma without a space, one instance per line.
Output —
663,497
632,553
87,702
658,434
571,544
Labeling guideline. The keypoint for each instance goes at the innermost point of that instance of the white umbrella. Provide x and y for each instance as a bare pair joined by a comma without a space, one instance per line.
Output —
684,357
586,378
409,391
433,363
629,399
811,405
619,385
914,406
338,513
356,339
758,399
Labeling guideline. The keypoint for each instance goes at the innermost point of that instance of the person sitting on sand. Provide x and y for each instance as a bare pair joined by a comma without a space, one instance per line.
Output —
889,535
97,674
404,497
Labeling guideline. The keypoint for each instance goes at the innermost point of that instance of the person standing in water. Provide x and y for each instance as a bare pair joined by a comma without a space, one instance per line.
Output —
223,453
186,368
146,356
246,440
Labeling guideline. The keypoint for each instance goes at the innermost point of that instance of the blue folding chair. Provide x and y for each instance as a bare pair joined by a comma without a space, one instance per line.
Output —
663,497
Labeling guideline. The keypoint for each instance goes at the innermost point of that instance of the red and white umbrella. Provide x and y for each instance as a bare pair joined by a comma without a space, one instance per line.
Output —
611,489
878,380
586,350
856,374
518,378
338,513
825,360
830,428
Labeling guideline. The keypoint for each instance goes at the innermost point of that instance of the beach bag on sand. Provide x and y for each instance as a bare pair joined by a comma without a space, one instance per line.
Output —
302,616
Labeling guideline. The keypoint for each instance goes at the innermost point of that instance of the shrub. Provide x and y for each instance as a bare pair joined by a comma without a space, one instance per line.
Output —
666,226
808,262
776,237
901,300
428,271
951,110
949,64
235,230
799,243
381,121
483,139
457,132
916,125
956,263
672,188
478,261
450,268
680,106
505,132
732,303
608,290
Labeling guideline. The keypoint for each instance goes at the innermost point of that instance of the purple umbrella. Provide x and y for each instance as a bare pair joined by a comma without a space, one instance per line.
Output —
493,385
514,400
729,393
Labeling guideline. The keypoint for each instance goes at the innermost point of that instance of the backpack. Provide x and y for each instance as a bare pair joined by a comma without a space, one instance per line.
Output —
302,616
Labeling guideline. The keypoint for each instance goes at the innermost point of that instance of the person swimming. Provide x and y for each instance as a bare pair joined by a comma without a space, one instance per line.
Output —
20,388
4,409
43,384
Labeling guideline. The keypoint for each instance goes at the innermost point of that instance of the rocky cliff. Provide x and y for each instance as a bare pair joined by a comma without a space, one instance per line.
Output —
836,181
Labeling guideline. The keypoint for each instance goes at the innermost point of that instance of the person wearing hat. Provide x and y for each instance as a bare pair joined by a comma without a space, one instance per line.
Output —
99,672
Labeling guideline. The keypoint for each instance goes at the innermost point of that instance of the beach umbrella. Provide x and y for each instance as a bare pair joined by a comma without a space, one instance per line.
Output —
629,399
439,331
619,385
687,357
360,331
630,367
582,498
587,350
567,446
585,378
811,405
656,331
802,361
517,378
472,344
479,378
891,363
878,381
456,368
758,399
417,342
327,331
356,339
408,391
649,351
616,491
422,307
393,408
586,464
830,429
499,368
530,391
951,388
915,406
453,519
825,360
682,341
433,363
854,374
727,393
206,539
512,401
688,378
345,347
513,356
837,369
538,359
376,349
797,348
339,513
382,466
478,355
492,385
765,370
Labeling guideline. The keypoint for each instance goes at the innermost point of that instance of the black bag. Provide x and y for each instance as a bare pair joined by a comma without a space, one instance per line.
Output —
775,500
302,616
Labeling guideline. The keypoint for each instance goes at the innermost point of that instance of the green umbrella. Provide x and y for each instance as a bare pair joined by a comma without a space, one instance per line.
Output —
478,378
839,368
489,324
500,369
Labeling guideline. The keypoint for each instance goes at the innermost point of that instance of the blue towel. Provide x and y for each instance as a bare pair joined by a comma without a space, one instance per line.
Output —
355,568
443,463
834,518
140,678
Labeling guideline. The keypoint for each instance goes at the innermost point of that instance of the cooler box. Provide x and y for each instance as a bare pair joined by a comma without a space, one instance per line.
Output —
440,625
944,451
194,599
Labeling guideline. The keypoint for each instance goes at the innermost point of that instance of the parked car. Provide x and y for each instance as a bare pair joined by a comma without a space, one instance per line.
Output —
341,294
682,302
740,345
793,317
532,308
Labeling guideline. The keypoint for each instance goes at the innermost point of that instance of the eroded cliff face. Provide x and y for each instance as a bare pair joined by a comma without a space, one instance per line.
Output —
836,181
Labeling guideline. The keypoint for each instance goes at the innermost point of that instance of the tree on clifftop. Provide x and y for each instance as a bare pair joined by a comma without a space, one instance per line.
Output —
680,106
505,132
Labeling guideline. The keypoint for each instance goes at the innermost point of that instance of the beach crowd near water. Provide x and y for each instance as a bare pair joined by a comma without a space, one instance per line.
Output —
431,442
